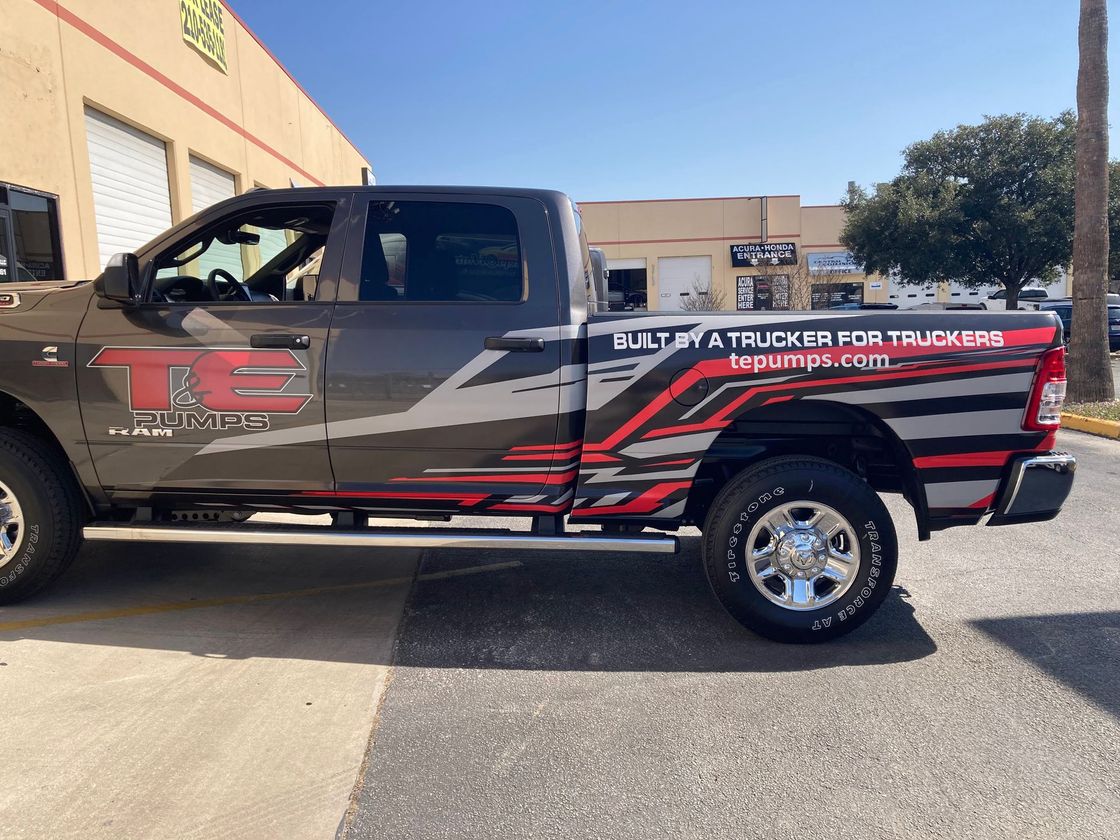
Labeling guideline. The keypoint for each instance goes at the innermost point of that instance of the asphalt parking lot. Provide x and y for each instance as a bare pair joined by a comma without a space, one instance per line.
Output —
163,691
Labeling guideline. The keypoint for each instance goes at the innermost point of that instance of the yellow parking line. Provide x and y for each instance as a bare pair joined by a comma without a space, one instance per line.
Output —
203,603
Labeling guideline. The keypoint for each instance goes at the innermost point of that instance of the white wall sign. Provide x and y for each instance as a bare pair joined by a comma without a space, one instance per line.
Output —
833,262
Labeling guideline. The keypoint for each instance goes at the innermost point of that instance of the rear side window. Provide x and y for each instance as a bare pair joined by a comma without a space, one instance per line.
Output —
441,252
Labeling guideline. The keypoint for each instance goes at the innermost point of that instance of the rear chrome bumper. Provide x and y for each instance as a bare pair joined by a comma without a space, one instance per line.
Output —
1035,488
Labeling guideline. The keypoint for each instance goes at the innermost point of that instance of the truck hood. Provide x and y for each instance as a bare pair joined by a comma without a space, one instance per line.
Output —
22,297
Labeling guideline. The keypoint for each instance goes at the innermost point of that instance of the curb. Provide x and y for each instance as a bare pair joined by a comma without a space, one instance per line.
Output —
1092,425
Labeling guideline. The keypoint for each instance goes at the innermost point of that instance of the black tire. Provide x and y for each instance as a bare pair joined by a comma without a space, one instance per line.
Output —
760,490
48,537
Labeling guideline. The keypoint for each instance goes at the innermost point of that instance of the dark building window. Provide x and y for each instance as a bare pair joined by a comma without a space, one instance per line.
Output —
29,240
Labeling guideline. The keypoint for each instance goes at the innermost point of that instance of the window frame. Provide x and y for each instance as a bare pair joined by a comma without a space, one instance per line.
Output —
350,283
178,237
6,189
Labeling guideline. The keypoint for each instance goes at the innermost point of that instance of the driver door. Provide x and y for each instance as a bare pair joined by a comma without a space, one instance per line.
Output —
215,383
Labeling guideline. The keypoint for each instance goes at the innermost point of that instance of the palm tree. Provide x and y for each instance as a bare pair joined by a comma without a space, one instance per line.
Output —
1090,376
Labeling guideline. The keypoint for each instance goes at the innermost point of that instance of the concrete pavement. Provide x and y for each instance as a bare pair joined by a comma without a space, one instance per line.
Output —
217,714
173,691
611,697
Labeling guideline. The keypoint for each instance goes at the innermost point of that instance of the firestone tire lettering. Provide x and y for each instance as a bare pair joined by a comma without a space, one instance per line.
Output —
741,504
53,512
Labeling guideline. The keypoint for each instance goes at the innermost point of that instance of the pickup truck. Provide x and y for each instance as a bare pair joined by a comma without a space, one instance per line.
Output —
431,352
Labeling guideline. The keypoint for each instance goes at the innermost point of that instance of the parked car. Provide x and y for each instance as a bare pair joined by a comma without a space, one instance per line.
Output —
1064,311
186,388
1028,299
1111,298
638,300
617,302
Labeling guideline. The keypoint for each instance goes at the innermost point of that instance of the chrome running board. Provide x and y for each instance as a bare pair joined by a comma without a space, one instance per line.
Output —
379,538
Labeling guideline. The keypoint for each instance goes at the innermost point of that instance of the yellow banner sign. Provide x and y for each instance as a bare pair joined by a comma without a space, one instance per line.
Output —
203,28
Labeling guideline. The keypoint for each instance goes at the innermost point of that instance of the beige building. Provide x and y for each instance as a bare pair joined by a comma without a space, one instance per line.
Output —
756,252
122,118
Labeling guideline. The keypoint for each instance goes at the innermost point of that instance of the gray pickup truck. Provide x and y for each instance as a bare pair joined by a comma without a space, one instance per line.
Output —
427,352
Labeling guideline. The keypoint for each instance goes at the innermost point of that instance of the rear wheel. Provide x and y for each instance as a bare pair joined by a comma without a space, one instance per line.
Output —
799,549
41,515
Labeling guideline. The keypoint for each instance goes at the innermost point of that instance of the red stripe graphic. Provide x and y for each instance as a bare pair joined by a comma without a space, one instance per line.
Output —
984,503
979,459
964,459
465,499
563,447
540,508
505,478
722,419
598,458
648,502
721,369
544,456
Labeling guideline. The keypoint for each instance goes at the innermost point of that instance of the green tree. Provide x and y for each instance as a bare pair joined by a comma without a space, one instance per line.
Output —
977,204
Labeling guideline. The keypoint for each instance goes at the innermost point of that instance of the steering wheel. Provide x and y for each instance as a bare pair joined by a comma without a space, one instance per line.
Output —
239,292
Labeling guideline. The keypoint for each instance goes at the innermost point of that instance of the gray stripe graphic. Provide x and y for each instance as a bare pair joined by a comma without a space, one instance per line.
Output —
1004,422
1009,383
958,494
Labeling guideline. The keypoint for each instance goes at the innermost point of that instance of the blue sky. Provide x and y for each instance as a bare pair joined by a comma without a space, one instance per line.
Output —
627,100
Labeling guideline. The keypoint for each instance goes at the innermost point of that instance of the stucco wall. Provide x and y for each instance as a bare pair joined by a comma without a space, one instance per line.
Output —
128,59
709,227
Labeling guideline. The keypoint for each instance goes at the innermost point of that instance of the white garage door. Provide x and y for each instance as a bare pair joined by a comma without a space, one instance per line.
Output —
209,184
626,265
907,297
131,199
678,276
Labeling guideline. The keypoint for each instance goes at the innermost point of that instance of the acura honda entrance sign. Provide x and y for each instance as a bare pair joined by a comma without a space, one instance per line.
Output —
763,253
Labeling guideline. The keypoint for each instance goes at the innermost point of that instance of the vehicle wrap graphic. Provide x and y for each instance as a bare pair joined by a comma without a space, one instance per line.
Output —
202,388
653,393
662,389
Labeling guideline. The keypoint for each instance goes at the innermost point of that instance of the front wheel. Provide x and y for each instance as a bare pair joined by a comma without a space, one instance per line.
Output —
799,549
41,516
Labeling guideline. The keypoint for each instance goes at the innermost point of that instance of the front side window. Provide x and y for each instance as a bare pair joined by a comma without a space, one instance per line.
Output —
264,255
441,252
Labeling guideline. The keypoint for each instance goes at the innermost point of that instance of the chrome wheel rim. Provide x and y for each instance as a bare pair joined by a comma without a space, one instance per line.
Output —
802,555
11,525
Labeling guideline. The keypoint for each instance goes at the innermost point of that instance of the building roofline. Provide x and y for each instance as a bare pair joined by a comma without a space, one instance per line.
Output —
293,79
667,200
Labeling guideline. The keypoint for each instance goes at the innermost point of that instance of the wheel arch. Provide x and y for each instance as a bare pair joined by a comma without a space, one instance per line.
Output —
847,435
16,413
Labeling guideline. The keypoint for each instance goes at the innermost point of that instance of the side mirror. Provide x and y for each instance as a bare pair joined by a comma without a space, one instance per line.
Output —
120,281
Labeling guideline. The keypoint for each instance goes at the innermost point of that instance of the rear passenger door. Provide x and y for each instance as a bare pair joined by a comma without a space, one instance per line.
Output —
443,364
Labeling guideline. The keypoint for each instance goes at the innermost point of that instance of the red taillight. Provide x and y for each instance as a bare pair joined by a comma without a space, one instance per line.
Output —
1044,411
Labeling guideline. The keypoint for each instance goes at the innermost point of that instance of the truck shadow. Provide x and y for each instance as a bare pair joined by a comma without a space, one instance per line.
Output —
581,612
1081,650
618,613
